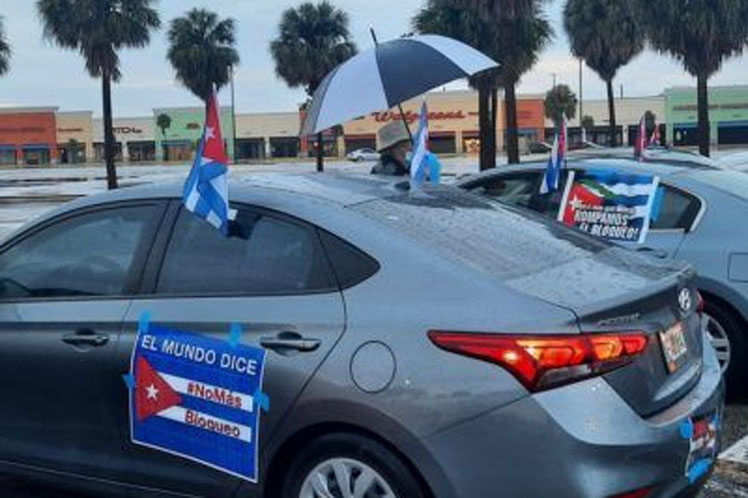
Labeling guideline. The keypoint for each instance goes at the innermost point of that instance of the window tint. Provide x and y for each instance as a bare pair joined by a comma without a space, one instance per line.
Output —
524,190
263,255
351,266
512,189
678,210
87,255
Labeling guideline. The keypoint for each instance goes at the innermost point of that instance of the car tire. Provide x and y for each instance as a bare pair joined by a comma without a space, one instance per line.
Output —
726,323
352,459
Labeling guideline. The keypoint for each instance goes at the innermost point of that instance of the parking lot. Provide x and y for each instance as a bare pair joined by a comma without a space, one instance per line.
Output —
25,194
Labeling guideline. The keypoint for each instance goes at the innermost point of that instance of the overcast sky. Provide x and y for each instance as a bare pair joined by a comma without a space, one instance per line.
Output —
42,74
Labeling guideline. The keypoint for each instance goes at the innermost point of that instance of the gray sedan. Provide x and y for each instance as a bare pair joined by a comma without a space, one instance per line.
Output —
418,344
702,221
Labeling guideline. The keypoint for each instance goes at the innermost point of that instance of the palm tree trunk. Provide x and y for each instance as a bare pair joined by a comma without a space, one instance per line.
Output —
320,154
512,139
703,104
484,123
106,93
611,115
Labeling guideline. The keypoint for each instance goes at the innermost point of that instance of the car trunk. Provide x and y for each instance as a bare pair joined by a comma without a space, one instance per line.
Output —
619,291
606,287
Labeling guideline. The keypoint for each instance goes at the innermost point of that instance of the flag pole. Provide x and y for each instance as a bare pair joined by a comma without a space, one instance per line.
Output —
399,106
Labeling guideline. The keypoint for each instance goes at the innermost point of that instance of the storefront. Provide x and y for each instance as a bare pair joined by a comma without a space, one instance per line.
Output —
263,135
28,136
134,139
728,115
178,130
74,137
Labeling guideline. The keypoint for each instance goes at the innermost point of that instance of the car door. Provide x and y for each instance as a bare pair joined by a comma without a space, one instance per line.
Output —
64,290
272,277
671,221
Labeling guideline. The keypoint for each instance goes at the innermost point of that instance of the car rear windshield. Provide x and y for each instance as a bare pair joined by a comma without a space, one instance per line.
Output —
732,182
479,232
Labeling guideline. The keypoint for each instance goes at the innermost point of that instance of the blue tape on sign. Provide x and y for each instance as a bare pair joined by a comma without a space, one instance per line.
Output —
686,429
657,203
263,400
699,469
235,334
145,319
129,381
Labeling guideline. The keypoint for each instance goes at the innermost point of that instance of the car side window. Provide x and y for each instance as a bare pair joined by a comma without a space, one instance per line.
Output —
523,189
89,254
264,255
678,210
516,189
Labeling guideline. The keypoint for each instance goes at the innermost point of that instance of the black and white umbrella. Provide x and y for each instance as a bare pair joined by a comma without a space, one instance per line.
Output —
388,75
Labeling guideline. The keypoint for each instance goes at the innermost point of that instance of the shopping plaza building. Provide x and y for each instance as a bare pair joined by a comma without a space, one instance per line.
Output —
46,135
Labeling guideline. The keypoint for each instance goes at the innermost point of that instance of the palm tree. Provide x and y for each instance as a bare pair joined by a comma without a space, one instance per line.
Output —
98,29
312,41
163,121
495,9
513,43
5,51
560,102
606,34
701,35
462,24
202,51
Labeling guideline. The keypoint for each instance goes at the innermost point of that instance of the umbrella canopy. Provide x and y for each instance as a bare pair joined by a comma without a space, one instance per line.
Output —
389,74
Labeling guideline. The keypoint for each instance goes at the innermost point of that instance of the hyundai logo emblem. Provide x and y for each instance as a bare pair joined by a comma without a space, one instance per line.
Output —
684,300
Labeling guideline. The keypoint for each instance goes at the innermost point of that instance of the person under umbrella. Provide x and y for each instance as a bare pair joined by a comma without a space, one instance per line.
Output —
394,145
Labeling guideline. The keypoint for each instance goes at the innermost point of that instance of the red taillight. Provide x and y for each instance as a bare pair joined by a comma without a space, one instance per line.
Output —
639,493
542,361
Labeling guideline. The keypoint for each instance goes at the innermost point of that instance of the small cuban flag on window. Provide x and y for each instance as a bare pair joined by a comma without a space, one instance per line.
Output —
206,191
557,160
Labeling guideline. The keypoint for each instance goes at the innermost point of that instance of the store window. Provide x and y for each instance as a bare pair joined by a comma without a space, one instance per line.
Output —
36,154
250,148
141,151
284,147
99,151
7,155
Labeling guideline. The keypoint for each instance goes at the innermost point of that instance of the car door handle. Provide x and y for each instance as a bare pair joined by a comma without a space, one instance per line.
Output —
657,253
290,341
85,337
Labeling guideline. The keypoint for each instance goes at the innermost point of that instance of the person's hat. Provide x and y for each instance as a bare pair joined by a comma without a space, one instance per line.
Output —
392,134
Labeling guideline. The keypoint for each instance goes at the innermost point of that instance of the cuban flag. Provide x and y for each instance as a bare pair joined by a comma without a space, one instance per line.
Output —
641,140
556,162
610,204
206,191
420,160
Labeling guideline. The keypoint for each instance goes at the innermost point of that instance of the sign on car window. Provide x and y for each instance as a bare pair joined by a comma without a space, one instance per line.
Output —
608,204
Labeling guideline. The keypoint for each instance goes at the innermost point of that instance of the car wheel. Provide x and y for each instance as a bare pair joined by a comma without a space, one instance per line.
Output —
348,466
725,335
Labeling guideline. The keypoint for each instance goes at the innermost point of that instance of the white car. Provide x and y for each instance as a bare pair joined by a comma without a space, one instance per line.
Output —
363,155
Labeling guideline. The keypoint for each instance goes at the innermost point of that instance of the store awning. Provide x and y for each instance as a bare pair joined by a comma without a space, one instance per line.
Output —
35,147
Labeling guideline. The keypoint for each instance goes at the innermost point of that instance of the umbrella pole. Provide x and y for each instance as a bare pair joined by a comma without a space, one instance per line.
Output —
405,122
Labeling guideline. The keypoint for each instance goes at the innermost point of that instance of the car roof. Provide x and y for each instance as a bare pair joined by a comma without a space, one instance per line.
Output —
335,188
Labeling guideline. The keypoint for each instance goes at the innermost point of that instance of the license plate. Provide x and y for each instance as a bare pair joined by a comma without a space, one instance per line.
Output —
674,346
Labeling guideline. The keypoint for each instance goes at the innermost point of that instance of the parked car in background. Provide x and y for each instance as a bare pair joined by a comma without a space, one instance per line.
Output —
701,220
437,344
363,155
